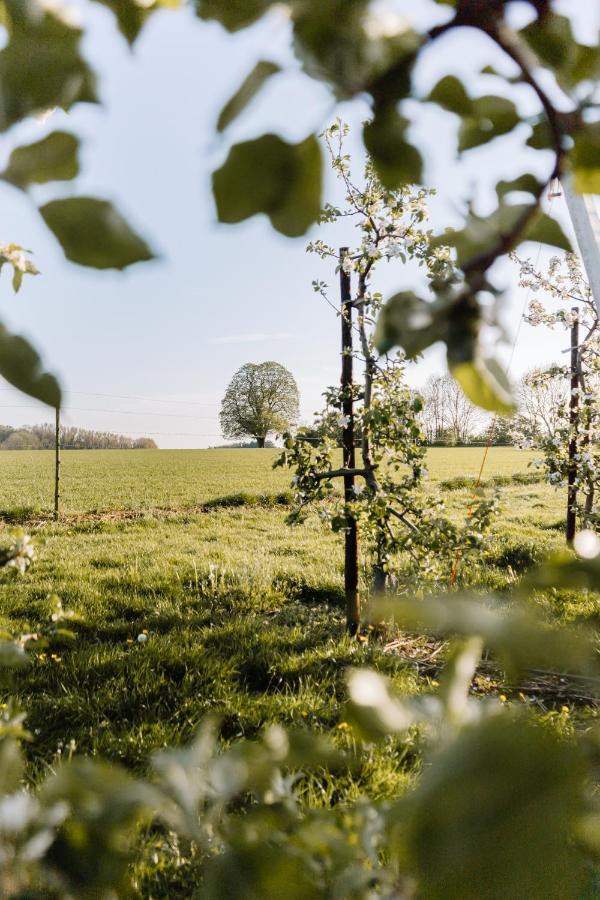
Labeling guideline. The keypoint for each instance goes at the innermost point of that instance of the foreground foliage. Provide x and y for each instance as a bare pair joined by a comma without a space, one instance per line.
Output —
241,622
235,814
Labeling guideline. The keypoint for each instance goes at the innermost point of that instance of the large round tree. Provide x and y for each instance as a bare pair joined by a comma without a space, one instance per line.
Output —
261,398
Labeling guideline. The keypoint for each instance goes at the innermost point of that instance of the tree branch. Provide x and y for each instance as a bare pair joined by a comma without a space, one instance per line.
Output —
337,473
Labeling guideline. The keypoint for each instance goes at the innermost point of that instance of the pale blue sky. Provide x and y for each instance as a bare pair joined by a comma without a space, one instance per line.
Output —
175,330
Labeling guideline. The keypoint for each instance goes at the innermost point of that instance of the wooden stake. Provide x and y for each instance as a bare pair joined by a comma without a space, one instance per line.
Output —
57,464
573,424
348,442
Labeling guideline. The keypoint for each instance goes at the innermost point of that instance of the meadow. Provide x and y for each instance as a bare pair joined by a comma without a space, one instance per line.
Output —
197,598
105,480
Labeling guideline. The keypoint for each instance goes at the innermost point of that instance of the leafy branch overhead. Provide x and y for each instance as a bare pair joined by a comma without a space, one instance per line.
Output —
349,47
42,68
357,53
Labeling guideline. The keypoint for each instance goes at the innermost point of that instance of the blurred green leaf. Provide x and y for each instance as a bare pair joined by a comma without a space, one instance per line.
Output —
54,158
271,176
12,655
541,136
485,384
233,14
489,117
585,159
494,816
12,765
93,233
94,847
520,639
450,94
553,42
564,571
372,709
131,15
396,160
41,66
456,678
21,366
480,231
330,40
409,322
546,230
249,88
527,183
257,872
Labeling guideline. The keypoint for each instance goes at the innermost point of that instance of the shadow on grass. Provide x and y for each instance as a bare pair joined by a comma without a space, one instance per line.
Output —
519,557
460,482
309,593
245,498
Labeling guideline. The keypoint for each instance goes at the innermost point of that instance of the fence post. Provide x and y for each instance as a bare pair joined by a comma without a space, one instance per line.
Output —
348,443
57,464
573,425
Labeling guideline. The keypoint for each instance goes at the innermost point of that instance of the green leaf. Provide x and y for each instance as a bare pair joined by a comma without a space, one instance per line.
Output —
480,231
21,366
553,42
249,88
494,816
131,15
271,176
541,136
12,655
409,322
585,159
456,678
93,233
527,183
41,66
332,43
547,231
517,637
93,849
372,709
489,117
450,94
396,160
233,14
485,384
54,158
563,571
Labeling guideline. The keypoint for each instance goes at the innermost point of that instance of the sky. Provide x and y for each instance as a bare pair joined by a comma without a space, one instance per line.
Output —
151,350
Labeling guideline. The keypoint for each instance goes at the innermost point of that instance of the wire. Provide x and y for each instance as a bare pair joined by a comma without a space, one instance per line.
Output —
124,412
131,397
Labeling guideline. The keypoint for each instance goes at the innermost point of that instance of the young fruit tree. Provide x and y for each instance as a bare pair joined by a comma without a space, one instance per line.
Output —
377,412
262,399
571,447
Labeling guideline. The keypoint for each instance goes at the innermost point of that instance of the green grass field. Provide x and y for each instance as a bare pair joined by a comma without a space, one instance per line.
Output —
243,614
103,480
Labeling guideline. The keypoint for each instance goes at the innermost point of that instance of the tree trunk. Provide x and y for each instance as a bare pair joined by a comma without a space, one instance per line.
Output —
351,536
260,441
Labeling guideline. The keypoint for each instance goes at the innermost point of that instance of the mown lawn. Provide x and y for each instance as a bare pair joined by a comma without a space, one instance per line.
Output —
241,615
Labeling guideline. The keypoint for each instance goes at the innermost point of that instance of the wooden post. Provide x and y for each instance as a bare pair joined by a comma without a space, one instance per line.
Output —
348,442
573,423
57,464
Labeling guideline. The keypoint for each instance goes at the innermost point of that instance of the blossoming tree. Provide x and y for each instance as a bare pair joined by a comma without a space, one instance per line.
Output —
571,450
388,504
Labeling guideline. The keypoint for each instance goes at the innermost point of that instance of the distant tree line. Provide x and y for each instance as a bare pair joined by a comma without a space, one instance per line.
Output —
244,445
42,437
449,419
